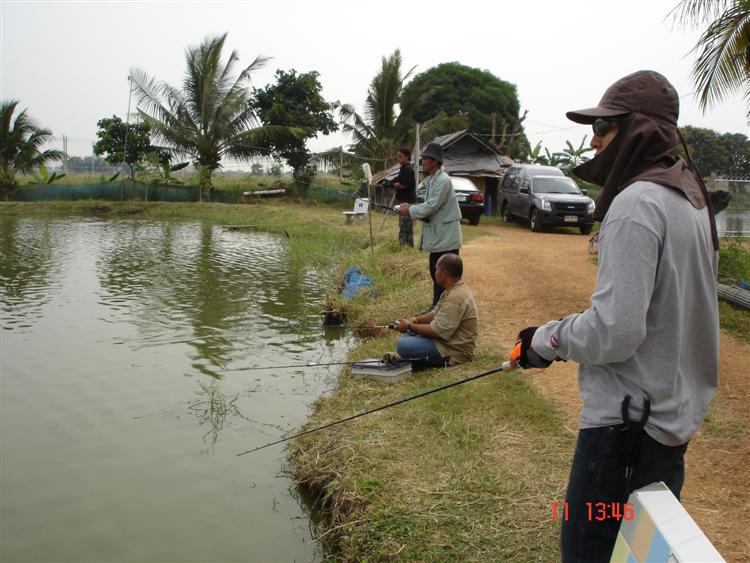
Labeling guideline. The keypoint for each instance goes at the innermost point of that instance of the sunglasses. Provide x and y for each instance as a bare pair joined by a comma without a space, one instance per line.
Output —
603,126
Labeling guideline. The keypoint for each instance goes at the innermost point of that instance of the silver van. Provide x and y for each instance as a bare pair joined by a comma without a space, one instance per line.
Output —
545,197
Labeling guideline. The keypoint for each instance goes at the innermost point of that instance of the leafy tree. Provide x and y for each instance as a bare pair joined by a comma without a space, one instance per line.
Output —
725,154
442,124
256,169
457,89
84,164
274,170
723,63
212,116
20,142
111,133
738,147
381,130
295,101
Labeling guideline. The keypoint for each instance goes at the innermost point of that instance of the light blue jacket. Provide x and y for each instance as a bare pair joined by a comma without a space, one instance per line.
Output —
441,215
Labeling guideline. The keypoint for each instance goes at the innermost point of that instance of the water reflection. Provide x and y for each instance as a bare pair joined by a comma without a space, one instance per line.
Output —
27,267
733,222
117,328
216,290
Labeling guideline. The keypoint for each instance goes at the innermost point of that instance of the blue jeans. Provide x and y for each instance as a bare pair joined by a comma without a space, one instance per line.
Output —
598,475
412,345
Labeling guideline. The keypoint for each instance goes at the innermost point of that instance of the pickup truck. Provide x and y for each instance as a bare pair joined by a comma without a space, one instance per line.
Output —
544,196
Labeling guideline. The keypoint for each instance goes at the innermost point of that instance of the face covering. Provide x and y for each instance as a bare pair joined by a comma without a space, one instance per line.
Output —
644,149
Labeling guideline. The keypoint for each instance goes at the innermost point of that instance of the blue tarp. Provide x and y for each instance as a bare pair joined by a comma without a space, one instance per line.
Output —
355,280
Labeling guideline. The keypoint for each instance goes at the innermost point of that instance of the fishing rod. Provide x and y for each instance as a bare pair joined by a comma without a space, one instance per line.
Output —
316,365
390,208
506,366
336,326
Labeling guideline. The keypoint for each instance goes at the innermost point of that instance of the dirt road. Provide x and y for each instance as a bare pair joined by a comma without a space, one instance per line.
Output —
520,279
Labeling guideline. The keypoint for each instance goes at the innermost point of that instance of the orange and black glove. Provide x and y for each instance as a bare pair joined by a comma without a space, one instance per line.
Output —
523,354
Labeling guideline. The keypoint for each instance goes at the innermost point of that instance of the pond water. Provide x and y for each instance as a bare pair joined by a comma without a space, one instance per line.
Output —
733,223
119,437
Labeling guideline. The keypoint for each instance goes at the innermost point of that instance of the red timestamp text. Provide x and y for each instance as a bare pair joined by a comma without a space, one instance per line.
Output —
601,511
596,511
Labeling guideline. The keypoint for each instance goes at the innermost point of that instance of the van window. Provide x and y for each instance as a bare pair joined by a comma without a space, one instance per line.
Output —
511,177
547,185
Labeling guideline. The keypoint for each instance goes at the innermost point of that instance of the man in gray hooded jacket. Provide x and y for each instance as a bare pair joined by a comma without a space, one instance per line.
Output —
648,345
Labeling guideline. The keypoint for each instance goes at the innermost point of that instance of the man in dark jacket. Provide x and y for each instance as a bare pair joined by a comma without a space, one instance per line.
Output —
406,192
648,345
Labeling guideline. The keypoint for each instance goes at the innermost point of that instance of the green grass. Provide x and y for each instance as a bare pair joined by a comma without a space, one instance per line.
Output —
735,320
469,473
734,264
466,474
734,259
724,425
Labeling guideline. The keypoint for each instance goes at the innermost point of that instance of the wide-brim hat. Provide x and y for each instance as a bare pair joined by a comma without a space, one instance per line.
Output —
433,151
645,91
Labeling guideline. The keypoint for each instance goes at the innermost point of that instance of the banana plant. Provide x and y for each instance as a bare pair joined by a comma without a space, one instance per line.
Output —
43,176
573,156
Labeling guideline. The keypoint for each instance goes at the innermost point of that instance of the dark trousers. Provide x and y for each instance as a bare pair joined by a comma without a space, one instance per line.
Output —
406,230
598,476
437,291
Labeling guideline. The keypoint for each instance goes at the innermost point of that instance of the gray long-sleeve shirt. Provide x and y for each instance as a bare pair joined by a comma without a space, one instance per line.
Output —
652,326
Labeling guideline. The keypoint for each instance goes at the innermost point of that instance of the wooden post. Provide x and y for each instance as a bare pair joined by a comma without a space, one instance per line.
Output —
341,164
369,213
416,158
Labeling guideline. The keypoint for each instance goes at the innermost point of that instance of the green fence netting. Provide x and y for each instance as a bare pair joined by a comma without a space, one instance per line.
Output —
116,191
130,191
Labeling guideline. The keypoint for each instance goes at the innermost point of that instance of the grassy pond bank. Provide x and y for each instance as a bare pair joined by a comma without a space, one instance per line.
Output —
467,474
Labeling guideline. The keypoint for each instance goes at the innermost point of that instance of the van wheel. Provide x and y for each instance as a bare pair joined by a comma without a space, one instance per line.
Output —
505,212
534,223
586,229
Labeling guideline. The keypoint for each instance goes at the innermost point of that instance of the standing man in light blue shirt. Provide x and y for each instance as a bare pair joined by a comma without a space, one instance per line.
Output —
441,233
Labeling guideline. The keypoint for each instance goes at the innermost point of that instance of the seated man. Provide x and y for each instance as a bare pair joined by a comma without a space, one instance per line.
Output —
447,334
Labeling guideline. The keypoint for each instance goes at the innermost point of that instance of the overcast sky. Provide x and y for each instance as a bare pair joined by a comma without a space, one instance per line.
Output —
68,62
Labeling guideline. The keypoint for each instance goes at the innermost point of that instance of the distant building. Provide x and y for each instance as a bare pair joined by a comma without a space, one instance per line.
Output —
469,156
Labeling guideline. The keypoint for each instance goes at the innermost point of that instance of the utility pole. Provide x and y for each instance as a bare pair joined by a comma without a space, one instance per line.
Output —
127,124
127,121
492,138
341,164
65,154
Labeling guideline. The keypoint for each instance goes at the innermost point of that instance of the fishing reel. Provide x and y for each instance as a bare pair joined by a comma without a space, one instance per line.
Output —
391,358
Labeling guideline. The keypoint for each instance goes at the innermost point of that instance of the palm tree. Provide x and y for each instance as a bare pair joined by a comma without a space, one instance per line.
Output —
723,64
212,116
380,131
20,145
